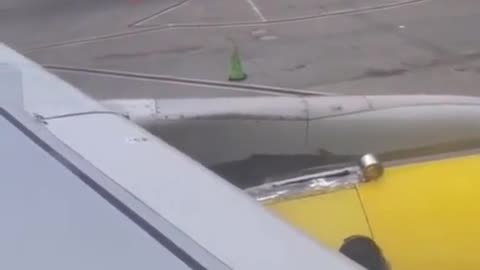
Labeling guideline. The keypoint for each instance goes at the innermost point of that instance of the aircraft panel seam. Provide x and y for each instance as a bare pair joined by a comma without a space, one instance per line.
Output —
68,115
307,119
120,206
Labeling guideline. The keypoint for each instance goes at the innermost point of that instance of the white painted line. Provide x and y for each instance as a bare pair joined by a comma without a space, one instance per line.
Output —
259,32
257,10
160,13
268,37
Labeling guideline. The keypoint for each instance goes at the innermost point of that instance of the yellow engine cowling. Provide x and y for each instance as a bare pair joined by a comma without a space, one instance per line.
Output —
424,215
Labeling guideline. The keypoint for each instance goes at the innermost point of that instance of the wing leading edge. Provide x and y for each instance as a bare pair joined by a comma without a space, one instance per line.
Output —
208,211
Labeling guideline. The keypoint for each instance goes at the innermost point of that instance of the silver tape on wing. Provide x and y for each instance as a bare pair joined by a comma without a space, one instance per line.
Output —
318,182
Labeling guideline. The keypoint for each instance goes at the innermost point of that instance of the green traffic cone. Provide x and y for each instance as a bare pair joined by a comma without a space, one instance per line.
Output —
236,69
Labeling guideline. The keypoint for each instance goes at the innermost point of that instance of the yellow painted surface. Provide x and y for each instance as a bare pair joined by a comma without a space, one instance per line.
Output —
329,217
427,215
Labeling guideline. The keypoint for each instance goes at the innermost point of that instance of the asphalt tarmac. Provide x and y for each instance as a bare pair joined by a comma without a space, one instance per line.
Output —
181,48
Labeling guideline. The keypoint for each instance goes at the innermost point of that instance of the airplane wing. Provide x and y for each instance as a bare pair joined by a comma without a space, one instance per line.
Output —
85,188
